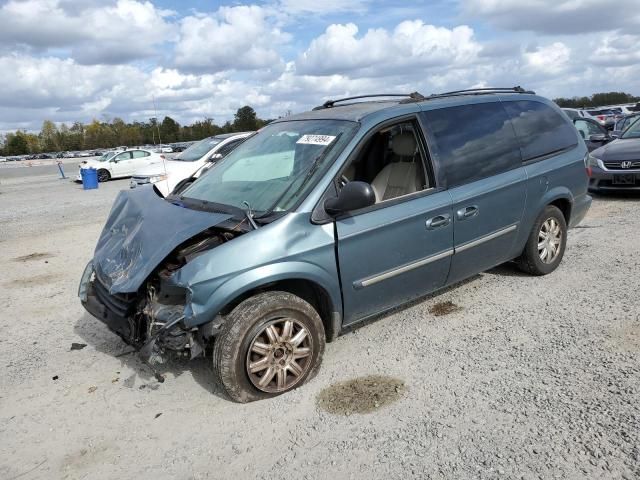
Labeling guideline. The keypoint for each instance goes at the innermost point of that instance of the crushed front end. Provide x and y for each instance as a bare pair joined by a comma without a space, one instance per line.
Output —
127,285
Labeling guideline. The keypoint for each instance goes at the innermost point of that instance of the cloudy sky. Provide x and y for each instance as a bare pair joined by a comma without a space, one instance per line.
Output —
69,60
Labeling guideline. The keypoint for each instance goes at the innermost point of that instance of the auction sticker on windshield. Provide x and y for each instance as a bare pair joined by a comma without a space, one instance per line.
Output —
316,139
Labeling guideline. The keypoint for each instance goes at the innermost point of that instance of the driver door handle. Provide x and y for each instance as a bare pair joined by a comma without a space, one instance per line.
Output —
438,221
467,212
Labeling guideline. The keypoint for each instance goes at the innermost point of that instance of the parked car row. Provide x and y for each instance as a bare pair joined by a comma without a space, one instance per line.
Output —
605,116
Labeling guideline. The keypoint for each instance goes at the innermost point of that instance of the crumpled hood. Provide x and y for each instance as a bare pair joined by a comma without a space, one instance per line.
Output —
142,229
621,149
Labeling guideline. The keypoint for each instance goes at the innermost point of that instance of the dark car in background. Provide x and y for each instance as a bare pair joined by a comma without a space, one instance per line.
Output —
593,134
623,123
616,165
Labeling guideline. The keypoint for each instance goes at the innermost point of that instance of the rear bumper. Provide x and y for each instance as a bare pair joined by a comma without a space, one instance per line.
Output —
579,210
604,180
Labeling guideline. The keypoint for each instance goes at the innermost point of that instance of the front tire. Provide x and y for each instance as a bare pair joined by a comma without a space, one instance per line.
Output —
546,244
103,175
270,344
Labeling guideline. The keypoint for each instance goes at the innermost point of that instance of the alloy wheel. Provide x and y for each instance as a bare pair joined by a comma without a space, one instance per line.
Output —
279,355
549,240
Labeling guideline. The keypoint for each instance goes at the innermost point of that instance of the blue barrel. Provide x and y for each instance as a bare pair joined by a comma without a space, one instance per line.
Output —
89,178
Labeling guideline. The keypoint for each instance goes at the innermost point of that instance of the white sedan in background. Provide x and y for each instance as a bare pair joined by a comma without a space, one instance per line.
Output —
192,162
119,164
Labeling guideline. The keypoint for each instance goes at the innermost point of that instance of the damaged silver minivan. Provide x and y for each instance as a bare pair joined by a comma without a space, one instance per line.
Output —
327,218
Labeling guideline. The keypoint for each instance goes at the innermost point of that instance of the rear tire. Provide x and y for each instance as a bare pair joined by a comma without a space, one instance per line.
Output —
546,244
270,344
103,175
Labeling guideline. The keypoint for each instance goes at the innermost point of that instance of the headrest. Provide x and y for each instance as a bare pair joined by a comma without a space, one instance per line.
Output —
404,144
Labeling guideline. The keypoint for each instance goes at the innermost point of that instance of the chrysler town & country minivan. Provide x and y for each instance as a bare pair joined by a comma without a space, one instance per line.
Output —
327,218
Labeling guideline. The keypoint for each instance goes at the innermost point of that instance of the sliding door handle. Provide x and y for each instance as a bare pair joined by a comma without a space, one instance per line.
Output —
467,212
438,221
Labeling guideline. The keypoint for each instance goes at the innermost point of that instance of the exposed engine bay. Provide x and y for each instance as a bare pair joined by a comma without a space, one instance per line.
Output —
161,308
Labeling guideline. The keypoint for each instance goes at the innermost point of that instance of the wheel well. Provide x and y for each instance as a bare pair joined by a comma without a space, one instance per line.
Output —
309,291
565,207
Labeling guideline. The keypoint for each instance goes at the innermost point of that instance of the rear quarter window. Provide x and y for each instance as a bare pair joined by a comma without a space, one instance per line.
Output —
472,142
540,129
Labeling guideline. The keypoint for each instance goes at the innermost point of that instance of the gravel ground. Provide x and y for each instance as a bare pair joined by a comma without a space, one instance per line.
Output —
517,377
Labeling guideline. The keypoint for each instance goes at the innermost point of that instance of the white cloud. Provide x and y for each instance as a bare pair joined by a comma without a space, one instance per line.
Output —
548,60
556,16
323,7
411,45
233,38
96,32
617,50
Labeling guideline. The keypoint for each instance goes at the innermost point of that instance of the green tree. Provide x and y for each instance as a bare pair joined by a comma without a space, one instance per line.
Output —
169,130
245,119
16,144
49,137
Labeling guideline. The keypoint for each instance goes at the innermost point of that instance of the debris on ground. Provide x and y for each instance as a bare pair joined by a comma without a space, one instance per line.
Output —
361,395
444,308
77,346
55,377
92,389
33,256
158,414
159,377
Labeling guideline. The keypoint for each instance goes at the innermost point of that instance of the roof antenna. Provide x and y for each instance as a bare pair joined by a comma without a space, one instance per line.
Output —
164,164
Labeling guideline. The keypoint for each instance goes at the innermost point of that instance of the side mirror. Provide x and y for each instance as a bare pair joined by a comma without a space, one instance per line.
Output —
215,157
353,196
598,137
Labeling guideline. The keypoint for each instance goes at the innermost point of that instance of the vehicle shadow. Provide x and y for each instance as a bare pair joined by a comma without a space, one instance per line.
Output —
617,196
508,269
406,306
96,335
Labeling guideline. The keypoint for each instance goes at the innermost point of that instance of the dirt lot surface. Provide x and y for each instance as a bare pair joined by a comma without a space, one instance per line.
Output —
516,377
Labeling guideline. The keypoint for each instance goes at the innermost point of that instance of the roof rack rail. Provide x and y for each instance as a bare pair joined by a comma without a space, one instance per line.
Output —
415,97
481,91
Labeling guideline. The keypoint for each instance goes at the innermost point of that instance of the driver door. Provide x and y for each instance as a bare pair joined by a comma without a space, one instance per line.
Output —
122,165
400,248
593,134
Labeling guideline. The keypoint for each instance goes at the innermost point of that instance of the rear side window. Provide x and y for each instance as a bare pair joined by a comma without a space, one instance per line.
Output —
540,129
472,141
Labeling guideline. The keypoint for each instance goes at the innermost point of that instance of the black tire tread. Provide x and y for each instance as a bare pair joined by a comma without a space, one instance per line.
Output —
528,261
238,323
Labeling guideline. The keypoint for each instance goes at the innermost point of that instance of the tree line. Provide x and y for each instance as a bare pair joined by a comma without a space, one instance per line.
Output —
114,133
597,100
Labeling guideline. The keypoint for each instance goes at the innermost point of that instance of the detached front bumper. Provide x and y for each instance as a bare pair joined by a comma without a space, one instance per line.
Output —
116,312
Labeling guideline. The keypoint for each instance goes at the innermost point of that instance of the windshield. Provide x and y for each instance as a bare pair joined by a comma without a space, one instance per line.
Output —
197,150
274,168
106,157
633,130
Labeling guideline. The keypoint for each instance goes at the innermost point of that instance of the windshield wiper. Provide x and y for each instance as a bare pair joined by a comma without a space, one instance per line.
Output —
312,169
249,214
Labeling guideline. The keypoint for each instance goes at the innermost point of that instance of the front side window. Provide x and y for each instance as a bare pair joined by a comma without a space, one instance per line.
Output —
273,169
472,141
391,161
540,129
586,128
107,156
123,156
197,150
633,131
